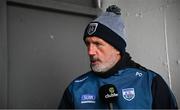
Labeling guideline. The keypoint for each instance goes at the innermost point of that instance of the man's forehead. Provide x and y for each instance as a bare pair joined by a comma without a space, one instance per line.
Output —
93,39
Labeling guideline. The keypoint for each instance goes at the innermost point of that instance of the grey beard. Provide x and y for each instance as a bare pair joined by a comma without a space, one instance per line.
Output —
104,67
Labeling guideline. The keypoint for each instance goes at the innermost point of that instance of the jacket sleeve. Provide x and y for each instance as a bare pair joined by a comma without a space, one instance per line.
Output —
66,101
163,98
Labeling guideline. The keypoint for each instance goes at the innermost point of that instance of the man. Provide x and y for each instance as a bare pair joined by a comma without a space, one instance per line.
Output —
133,86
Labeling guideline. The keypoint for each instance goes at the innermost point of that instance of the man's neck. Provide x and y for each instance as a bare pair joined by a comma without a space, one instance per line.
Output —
118,66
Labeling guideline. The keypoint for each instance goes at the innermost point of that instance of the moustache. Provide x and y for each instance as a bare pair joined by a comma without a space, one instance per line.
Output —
92,59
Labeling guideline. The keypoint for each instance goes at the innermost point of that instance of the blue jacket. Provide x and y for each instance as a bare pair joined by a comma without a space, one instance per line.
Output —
138,88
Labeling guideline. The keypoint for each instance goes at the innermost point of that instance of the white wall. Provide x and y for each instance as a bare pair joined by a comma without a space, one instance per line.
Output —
152,28
173,38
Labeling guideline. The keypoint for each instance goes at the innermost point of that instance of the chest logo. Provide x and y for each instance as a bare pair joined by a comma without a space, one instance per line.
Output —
88,98
128,94
139,74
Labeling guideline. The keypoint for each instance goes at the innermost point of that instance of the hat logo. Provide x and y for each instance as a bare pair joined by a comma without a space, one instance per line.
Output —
92,28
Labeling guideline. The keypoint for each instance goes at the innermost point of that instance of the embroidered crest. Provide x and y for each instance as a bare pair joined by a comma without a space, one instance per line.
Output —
88,98
92,28
128,94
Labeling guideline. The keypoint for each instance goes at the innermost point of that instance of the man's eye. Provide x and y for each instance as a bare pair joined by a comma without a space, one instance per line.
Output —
97,43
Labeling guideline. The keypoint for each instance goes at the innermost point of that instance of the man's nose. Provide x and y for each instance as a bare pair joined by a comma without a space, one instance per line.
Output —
91,50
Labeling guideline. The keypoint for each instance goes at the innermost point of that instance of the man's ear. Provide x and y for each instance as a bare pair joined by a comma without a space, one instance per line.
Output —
118,52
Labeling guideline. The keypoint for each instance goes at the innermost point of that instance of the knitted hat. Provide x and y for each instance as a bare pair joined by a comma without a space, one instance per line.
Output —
109,27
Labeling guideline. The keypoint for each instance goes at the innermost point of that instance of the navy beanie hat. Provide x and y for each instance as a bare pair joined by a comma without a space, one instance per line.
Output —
109,27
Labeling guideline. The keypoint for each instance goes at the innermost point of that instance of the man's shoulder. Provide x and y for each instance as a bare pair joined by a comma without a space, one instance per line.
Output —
139,71
82,81
82,78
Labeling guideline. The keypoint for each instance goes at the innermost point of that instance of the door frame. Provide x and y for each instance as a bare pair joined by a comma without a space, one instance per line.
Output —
49,5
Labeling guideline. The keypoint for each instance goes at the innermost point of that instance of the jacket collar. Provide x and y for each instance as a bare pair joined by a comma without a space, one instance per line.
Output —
124,62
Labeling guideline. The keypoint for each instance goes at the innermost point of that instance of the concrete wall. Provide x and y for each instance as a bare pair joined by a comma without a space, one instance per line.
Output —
153,29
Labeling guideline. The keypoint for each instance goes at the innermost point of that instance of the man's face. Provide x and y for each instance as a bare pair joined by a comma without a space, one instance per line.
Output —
102,55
